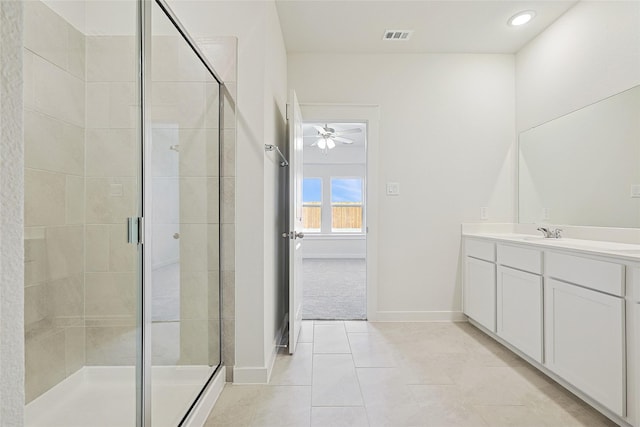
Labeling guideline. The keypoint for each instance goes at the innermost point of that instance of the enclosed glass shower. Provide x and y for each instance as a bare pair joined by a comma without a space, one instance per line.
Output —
122,243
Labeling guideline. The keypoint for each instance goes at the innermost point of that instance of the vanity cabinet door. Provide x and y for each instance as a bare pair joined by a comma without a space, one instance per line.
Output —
519,310
584,341
480,292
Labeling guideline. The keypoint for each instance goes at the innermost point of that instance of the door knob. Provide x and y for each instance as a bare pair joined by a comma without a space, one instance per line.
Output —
176,235
293,235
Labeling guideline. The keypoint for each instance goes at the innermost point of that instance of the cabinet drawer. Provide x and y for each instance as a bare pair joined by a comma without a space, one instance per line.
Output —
481,249
602,276
520,258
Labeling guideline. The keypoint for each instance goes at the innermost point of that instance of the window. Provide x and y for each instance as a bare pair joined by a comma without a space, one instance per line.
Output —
346,205
312,204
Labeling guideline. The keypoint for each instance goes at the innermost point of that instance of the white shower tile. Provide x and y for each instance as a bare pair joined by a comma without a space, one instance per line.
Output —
58,93
111,58
97,248
76,50
110,200
53,145
74,201
110,294
194,200
45,33
112,152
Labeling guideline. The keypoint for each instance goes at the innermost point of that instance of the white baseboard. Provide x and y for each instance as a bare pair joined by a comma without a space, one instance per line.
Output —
277,342
417,316
250,375
203,408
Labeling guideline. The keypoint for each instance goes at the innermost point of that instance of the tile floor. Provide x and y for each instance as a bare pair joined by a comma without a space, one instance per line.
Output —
356,373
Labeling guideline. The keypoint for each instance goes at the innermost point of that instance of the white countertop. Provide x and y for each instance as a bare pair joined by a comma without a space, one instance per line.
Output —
619,250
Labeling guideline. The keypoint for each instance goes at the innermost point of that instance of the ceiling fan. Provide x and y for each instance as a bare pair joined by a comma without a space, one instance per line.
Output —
327,137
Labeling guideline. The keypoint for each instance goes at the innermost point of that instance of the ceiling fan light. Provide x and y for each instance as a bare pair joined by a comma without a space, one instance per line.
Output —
330,143
322,143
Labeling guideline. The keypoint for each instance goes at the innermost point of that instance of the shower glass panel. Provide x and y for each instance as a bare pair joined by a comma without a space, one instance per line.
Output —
185,223
86,338
82,180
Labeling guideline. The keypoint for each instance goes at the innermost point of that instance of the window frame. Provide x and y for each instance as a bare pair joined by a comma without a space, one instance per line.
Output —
362,205
321,205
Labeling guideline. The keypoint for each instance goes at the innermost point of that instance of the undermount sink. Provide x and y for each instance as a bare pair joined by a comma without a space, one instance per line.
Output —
541,239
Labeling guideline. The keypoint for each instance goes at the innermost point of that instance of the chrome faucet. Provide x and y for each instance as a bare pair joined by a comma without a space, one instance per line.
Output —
550,234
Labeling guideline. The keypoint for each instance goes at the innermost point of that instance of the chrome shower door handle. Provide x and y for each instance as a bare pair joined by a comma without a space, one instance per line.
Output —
298,235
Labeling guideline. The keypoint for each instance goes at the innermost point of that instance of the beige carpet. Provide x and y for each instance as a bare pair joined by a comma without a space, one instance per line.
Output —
334,289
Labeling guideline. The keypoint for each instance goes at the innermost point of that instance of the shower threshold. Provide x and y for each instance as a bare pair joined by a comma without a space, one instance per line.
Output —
104,396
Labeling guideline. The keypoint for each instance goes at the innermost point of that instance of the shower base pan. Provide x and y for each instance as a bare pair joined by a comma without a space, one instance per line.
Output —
105,396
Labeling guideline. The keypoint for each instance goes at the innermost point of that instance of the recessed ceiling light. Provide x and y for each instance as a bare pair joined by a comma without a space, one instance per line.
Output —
521,18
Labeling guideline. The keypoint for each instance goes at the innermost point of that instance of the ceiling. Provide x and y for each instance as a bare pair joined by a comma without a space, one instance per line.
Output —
449,26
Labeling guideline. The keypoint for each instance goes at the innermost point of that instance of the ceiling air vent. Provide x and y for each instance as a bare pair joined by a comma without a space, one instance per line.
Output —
397,35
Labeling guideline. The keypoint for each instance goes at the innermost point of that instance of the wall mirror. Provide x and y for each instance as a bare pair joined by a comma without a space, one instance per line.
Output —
584,168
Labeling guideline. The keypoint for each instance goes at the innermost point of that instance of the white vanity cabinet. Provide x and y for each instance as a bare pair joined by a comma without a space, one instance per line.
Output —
480,283
585,326
585,341
569,311
519,299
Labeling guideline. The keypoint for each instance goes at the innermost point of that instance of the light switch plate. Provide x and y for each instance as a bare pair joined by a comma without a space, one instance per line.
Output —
393,189
635,190
484,212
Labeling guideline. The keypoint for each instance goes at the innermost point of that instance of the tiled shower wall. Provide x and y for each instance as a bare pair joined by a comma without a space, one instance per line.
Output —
111,169
54,112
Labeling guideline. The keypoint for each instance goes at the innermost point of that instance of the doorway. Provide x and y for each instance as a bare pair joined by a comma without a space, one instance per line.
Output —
335,220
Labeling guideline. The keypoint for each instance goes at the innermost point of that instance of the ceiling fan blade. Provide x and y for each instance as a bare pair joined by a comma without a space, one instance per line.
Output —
348,131
320,129
330,143
314,144
343,140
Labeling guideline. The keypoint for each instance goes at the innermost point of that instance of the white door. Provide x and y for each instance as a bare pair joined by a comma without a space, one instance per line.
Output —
295,220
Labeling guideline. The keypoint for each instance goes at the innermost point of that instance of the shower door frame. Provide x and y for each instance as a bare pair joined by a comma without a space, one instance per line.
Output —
144,353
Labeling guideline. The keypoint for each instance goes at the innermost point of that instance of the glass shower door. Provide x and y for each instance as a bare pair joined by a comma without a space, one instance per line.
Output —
184,223
82,182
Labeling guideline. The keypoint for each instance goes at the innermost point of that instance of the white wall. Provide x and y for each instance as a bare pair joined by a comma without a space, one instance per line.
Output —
446,134
11,217
275,191
260,111
589,53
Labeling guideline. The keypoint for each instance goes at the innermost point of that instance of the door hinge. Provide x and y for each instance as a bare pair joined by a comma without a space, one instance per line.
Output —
135,230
